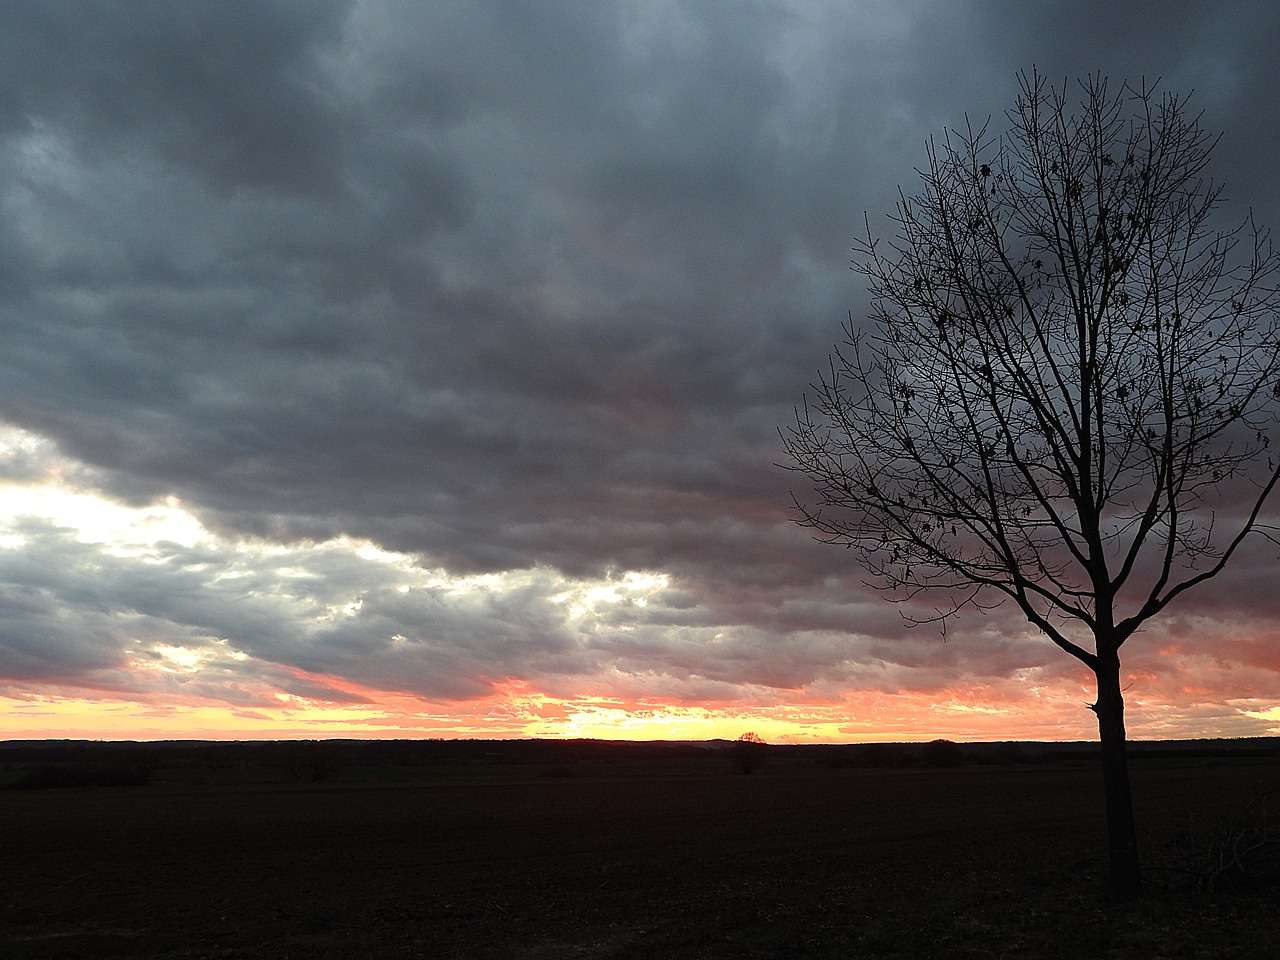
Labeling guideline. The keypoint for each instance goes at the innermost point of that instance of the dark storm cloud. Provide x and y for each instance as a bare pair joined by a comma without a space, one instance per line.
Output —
503,285
219,89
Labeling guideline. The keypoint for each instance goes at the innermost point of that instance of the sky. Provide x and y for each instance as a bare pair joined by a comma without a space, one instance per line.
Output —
400,369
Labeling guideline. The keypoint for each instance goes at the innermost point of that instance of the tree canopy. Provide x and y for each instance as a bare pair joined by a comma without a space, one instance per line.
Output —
1066,394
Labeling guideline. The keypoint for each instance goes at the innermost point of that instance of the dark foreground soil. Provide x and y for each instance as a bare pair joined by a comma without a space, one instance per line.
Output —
795,861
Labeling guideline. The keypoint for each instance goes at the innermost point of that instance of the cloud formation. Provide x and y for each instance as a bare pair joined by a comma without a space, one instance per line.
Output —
450,342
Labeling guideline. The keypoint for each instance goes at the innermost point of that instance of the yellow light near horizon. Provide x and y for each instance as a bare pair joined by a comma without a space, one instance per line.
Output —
520,711
680,723
151,691
54,717
1271,713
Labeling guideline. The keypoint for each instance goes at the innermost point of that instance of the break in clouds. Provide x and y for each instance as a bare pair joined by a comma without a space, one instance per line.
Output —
425,347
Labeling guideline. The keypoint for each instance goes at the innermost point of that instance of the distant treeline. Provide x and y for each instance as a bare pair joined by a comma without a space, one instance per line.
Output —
67,763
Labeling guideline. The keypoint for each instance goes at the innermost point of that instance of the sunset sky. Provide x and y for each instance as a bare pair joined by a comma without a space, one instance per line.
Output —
401,369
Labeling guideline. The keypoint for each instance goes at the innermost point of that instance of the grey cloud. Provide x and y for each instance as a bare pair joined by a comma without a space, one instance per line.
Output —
224,89
509,286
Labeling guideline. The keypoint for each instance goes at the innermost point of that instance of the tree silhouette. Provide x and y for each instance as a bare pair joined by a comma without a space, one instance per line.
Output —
1064,400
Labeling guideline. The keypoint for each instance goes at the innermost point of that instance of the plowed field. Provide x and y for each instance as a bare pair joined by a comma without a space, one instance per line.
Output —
789,862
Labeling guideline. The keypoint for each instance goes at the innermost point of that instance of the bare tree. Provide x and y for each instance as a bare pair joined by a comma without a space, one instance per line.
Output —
1064,399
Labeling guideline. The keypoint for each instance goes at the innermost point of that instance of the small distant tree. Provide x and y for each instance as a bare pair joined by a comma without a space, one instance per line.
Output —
1065,399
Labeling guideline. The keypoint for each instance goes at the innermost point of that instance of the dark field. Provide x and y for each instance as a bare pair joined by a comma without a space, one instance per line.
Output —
624,861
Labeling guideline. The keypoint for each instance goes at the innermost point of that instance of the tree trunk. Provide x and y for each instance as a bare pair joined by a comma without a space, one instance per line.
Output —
1124,876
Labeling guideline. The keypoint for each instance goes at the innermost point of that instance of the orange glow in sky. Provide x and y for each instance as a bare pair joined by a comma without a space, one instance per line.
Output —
516,710
146,625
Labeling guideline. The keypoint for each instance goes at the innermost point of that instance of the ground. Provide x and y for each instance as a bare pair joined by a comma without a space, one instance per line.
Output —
593,860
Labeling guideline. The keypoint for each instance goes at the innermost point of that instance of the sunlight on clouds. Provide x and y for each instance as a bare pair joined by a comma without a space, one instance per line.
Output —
186,661
181,659
250,587
44,491
192,661
1270,714
175,658
971,708
583,599
373,553
337,612
122,530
